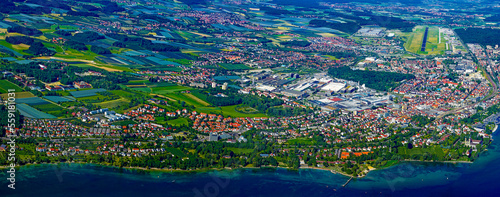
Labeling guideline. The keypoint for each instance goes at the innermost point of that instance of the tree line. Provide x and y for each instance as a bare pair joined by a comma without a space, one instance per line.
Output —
383,81
296,43
19,40
481,36
24,30
38,49
131,42
66,74
8,7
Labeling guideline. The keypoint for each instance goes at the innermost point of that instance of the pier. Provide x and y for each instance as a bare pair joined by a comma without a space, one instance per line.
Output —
345,184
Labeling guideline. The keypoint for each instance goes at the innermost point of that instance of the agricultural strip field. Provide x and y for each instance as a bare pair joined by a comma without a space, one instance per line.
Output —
161,84
113,103
137,86
142,89
169,89
50,109
122,93
31,112
19,95
189,99
6,85
204,103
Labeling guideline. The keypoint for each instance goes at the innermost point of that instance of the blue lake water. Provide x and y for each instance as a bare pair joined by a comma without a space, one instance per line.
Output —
482,178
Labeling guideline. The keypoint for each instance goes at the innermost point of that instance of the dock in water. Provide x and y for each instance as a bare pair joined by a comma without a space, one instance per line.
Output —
347,182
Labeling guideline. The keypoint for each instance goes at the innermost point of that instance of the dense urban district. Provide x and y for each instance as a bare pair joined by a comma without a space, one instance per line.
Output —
192,85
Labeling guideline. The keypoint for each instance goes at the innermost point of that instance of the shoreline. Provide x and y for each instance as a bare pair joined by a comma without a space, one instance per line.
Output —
231,169
196,170
285,168
334,171
454,162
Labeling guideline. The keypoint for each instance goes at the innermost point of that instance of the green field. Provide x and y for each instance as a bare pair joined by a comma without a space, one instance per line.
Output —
302,140
122,93
414,40
74,55
437,150
178,122
169,89
13,47
5,96
113,103
54,27
143,89
433,47
189,99
161,84
180,61
6,85
134,82
50,108
228,111
175,151
240,150
199,94
246,110
234,67
93,99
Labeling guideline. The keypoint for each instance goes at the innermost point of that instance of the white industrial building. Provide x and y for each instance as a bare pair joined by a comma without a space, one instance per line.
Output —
265,88
333,87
